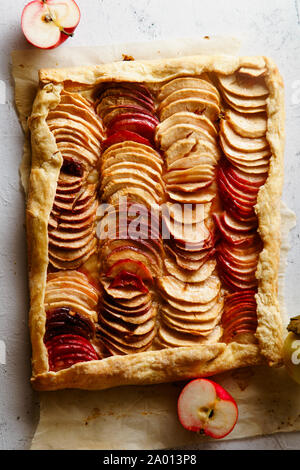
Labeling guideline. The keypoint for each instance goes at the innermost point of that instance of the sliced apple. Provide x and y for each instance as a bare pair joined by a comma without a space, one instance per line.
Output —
191,104
64,321
202,292
47,24
247,126
136,267
186,82
205,406
67,349
244,86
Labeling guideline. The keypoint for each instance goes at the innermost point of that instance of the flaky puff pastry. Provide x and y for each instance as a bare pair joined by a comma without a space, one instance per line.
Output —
167,364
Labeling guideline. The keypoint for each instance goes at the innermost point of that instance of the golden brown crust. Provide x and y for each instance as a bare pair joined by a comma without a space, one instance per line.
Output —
168,364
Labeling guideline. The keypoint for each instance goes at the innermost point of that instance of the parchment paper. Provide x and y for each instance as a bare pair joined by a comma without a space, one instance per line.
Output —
146,417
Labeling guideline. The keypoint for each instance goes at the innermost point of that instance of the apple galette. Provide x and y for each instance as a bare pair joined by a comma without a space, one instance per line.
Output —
153,220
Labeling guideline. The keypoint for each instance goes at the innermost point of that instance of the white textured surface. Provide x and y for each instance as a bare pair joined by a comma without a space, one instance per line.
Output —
269,27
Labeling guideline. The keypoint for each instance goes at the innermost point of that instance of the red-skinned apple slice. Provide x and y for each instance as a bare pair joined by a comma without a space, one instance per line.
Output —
132,266
134,115
140,126
246,197
48,23
245,179
233,237
125,278
235,284
205,406
111,112
66,350
237,226
124,135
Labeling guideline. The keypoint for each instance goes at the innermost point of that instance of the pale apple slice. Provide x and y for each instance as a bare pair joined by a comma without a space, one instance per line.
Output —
243,86
132,167
193,161
248,111
208,317
183,262
56,293
49,23
205,406
134,303
134,194
76,276
181,325
119,184
197,197
121,174
186,213
116,346
128,148
239,156
191,307
131,321
196,233
63,136
197,123
76,129
186,328
245,102
95,129
170,338
73,281
252,127
191,146
187,93
70,227
115,308
69,150
243,144
186,82
197,173
134,146
202,292
178,132
62,259
132,158
73,243
252,71
186,276
123,328
185,117
141,245
136,318
192,105
77,99
87,114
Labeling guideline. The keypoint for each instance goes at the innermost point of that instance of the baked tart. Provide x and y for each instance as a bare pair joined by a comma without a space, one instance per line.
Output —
153,220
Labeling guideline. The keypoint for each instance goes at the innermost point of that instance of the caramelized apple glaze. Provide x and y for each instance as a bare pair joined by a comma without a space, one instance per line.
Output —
171,259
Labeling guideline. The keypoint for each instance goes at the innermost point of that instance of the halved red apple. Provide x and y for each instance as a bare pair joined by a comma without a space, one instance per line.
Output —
47,24
205,406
